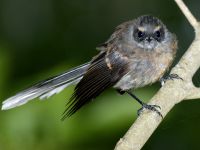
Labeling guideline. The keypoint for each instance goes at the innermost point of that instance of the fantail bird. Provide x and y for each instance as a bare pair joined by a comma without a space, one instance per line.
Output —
138,53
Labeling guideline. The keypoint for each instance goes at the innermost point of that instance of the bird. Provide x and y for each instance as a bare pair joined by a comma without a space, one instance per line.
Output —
138,53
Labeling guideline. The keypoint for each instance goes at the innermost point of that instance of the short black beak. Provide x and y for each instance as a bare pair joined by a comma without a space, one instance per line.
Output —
149,39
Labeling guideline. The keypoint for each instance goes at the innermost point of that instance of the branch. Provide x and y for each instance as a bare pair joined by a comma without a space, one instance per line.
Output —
170,94
193,94
192,20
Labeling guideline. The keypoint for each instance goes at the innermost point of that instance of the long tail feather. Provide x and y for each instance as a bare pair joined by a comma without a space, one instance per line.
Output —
47,88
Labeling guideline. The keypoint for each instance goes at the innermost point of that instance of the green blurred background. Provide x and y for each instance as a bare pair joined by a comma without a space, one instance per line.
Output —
41,38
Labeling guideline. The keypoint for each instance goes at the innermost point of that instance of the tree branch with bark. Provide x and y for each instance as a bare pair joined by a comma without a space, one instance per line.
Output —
173,92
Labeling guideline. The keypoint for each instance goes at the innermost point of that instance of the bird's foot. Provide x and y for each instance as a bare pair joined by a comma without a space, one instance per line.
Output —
169,77
150,107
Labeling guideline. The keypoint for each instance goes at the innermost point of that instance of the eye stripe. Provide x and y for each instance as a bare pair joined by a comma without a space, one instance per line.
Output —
141,29
157,28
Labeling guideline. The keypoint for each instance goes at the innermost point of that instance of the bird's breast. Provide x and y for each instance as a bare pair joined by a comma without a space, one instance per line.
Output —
145,69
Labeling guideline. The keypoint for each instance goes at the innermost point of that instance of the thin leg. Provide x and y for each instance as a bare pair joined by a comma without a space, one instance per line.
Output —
144,105
120,91
169,77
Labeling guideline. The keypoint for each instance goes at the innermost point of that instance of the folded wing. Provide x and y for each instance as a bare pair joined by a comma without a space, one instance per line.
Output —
105,70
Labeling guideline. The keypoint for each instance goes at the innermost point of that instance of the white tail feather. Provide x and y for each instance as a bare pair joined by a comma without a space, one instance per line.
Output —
46,88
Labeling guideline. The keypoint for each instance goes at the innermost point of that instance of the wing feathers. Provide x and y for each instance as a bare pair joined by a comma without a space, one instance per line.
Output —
97,78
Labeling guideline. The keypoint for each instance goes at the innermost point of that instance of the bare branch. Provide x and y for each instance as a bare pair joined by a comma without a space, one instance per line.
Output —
170,94
193,94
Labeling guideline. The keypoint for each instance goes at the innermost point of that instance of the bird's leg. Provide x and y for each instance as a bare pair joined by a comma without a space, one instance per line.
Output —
120,91
144,105
169,77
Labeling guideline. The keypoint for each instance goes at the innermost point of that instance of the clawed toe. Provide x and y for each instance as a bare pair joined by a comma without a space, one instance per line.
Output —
150,107
170,77
146,106
174,76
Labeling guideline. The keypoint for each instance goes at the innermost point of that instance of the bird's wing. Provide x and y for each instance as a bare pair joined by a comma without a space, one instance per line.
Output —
46,88
117,34
104,71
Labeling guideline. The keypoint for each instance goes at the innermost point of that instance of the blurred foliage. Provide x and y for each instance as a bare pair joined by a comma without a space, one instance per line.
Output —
39,39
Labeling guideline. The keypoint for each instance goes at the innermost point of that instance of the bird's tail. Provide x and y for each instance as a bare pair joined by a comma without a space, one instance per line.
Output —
47,88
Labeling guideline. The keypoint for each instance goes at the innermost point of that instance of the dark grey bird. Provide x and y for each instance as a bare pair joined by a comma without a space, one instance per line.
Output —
137,54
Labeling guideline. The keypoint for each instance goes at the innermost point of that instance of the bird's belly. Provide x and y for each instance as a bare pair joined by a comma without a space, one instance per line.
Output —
142,74
130,81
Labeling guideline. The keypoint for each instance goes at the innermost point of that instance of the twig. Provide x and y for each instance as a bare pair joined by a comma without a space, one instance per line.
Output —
170,94
192,20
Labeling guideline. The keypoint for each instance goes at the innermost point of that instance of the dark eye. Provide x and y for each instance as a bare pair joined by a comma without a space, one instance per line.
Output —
140,34
157,34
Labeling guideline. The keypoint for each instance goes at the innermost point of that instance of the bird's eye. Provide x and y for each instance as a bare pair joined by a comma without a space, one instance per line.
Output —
140,34
157,34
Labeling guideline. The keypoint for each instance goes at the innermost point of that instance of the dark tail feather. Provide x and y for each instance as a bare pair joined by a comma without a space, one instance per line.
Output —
47,88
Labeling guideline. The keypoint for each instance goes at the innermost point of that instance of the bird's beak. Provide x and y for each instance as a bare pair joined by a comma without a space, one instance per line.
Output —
149,39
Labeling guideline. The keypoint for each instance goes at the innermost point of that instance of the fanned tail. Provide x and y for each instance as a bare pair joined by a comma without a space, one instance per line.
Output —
47,88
